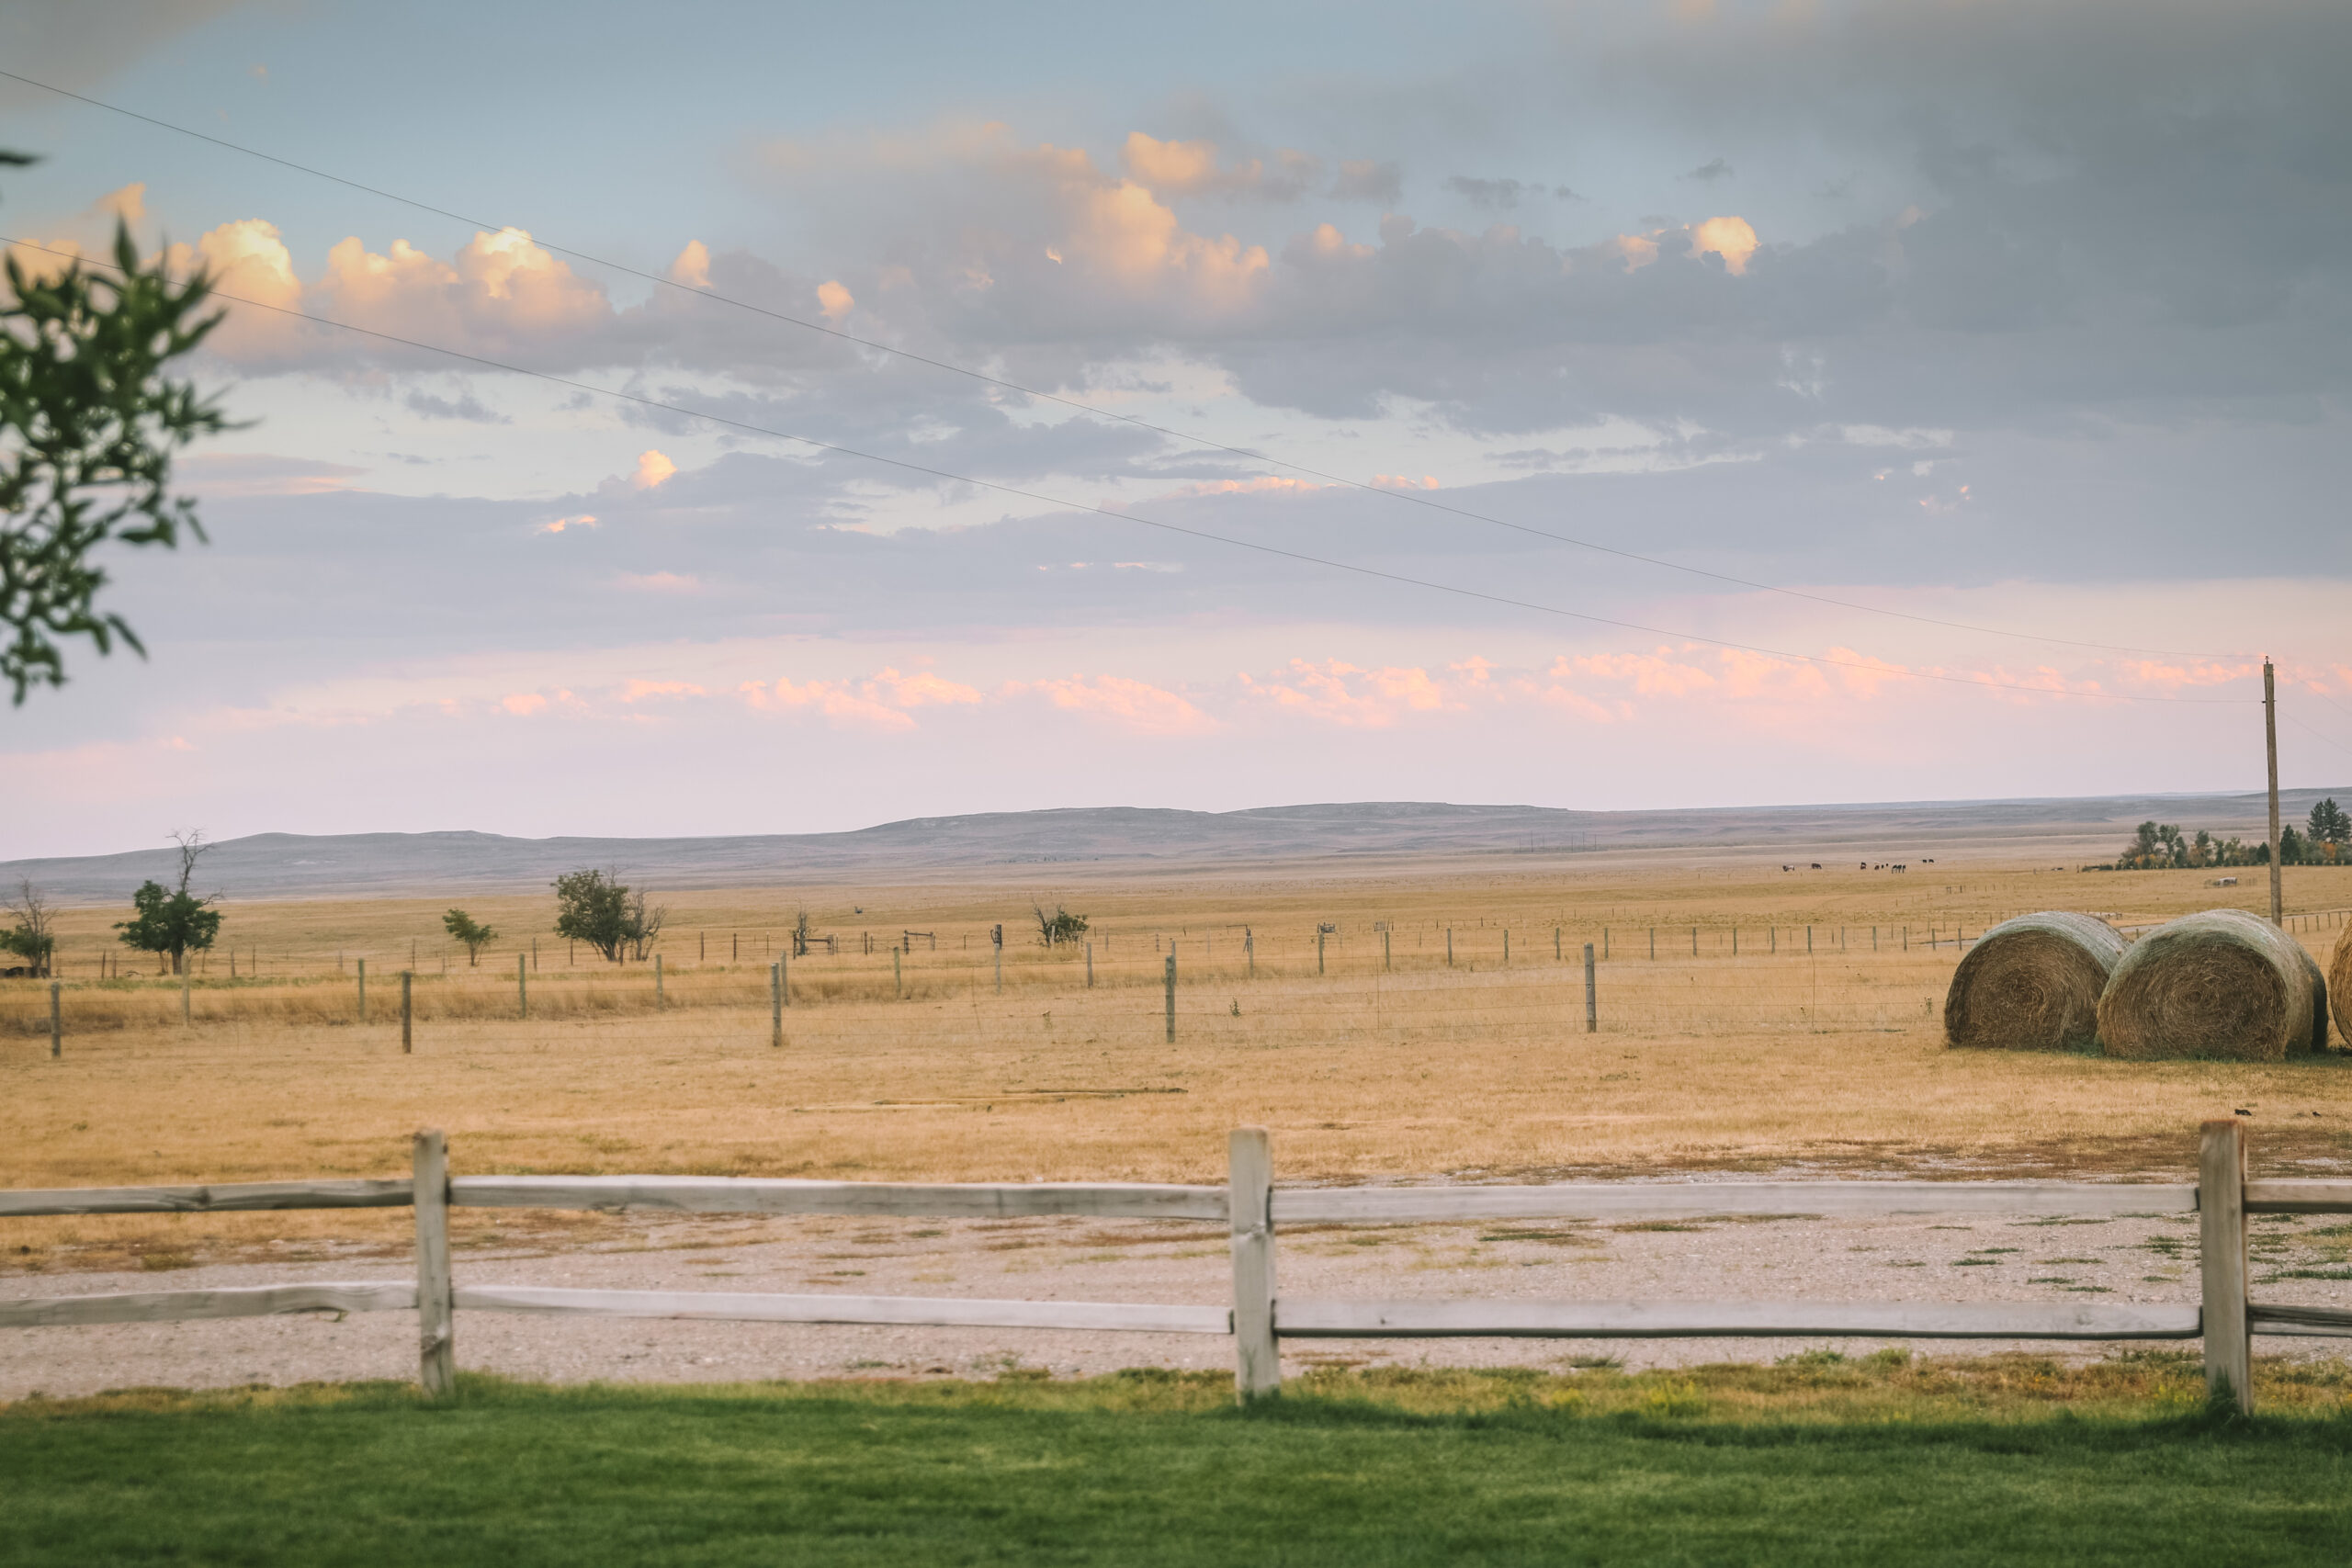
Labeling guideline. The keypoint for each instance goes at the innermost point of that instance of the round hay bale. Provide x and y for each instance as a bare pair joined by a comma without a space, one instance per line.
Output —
2225,985
2033,984
2339,985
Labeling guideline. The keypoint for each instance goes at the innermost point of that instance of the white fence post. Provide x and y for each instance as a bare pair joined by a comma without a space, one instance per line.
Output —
436,1366
1257,1363
2221,1227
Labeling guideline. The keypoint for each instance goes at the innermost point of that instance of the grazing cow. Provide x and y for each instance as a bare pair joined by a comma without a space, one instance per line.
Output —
1816,865
1900,867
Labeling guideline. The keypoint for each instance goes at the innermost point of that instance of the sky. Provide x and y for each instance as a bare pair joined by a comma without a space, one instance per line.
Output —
732,419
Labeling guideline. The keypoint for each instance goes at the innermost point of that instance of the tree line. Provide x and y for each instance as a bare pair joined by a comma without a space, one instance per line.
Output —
2325,840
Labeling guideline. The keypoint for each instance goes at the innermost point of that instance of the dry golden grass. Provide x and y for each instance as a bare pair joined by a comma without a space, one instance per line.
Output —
1769,1060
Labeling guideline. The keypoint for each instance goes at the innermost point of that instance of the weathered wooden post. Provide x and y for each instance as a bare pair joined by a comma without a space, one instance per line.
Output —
436,1362
1319,950
1449,947
1172,998
1249,950
660,1000
783,977
1653,944
1556,944
2221,1228
1591,1004
56,1021
899,983
363,990
408,1043
1808,942
1090,966
1386,962
1506,947
1694,942
776,1003
1604,945
522,989
996,935
1249,1202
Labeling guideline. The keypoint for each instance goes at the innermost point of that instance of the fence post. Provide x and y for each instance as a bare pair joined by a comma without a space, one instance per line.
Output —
522,988
776,1003
363,990
1249,1199
1506,947
1556,944
1318,952
1604,945
1090,966
1172,998
437,1363
408,1040
1386,962
1591,1004
56,1021
1249,950
661,1000
1449,947
2221,1228
1694,942
1653,944
783,976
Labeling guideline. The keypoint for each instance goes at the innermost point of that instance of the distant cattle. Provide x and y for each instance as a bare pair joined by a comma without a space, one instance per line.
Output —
1816,865
16,972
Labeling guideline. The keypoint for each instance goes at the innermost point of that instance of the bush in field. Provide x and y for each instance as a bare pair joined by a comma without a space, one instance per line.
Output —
462,926
32,938
1058,928
173,922
597,908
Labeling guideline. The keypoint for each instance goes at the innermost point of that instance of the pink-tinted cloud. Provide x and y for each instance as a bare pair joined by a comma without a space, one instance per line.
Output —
1132,704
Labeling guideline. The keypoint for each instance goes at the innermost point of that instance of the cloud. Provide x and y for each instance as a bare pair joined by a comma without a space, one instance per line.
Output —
561,525
466,406
637,691
1498,193
1369,179
652,468
1730,238
1708,173
1133,705
834,301
1191,168
128,203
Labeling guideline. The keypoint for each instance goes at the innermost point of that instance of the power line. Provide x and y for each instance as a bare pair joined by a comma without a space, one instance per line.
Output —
1173,432
1040,496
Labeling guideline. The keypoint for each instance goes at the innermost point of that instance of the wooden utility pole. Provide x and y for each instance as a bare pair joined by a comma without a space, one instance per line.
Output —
2270,745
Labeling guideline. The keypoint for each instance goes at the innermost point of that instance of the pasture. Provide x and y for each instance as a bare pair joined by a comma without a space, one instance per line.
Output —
1381,1060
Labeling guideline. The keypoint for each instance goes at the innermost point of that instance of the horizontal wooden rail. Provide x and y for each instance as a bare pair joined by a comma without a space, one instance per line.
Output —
2332,1322
395,1193
2299,1197
934,1312
1583,1199
1675,1320
180,1306
754,1195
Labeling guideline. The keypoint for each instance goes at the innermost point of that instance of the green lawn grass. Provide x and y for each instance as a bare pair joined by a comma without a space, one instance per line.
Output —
1816,1461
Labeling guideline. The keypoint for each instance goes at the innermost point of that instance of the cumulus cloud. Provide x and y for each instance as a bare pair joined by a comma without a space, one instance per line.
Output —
1133,705
652,468
1369,179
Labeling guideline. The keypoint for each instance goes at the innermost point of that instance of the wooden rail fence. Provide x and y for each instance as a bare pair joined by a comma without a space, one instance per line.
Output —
1253,1209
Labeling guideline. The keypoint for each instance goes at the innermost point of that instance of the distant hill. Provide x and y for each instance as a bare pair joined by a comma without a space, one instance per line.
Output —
291,865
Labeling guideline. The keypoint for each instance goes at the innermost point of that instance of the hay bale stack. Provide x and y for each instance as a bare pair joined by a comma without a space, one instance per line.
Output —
2223,985
2033,984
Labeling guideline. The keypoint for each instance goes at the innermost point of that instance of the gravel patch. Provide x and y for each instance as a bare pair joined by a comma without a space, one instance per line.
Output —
2124,1260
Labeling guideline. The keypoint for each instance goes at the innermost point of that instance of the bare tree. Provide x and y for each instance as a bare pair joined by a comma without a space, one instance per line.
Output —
34,937
643,924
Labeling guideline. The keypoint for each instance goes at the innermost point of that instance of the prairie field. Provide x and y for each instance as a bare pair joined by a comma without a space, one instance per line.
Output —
1803,1033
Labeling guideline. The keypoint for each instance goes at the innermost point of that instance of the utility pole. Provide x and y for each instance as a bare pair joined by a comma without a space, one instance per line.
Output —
2270,744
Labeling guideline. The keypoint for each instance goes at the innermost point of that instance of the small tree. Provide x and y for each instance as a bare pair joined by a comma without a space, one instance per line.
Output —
640,924
173,923
2291,847
34,937
1058,928
2330,826
593,907
462,926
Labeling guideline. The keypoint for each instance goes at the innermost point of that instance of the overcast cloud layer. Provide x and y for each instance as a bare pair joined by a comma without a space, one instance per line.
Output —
2022,316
